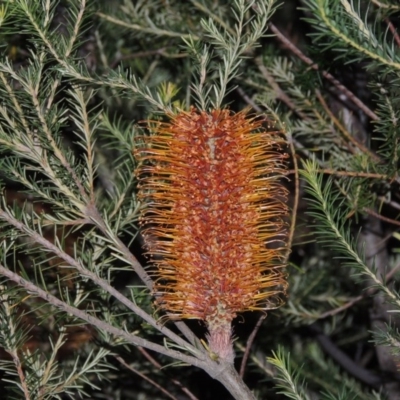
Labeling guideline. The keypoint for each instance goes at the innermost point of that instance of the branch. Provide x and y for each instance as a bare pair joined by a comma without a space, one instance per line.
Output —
280,94
249,343
145,377
84,316
292,47
344,131
153,30
223,372
37,238
175,381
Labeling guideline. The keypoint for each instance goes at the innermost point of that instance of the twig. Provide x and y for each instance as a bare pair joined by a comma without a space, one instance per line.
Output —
389,202
249,343
51,222
369,292
366,175
381,217
143,54
152,30
338,310
394,31
93,213
280,94
217,19
145,377
390,274
260,362
21,374
249,100
383,5
355,174
292,47
346,362
173,380
79,17
41,112
344,131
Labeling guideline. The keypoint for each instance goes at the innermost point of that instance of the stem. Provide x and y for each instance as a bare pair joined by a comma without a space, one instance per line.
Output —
234,384
249,343
145,377
21,374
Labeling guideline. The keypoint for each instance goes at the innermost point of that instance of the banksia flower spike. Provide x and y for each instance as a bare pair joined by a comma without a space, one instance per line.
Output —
213,217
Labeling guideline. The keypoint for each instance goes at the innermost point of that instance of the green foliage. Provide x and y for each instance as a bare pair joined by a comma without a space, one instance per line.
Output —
350,35
288,380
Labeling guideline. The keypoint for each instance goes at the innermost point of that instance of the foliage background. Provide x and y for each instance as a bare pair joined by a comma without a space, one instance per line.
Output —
328,73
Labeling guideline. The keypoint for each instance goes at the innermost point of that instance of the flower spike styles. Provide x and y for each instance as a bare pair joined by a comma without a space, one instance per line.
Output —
214,217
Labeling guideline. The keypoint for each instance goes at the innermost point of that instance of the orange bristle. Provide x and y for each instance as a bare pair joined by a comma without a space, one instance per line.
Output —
213,216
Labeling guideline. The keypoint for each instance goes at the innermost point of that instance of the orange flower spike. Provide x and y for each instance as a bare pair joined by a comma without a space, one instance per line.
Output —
213,219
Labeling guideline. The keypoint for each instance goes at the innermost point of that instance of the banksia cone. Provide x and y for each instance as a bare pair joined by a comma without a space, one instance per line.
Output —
213,217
